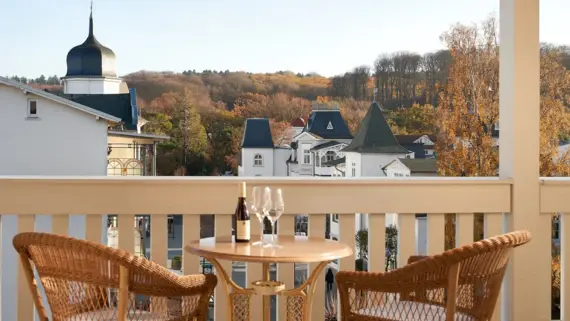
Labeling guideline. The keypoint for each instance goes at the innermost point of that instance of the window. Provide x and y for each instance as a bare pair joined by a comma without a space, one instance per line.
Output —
353,169
32,108
306,156
258,160
330,156
335,218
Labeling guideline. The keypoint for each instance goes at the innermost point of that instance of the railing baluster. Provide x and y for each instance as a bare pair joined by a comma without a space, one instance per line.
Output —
25,306
347,228
126,232
464,229
159,239
190,262
285,271
60,224
406,237
93,226
436,234
493,227
158,251
254,273
317,229
223,227
376,242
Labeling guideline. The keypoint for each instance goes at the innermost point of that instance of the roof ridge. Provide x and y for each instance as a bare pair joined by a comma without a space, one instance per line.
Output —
56,98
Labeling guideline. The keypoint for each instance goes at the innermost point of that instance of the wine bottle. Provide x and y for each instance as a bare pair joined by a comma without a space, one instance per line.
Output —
242,217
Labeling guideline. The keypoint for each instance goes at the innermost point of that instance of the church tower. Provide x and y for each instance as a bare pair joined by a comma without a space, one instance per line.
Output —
91,68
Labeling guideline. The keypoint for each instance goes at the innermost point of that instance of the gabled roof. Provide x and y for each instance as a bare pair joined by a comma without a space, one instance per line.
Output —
328,124
58,99
327,144
410,139
375,135
123,106
257,134
420,165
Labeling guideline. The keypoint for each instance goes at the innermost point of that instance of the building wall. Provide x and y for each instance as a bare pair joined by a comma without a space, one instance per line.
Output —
397,169
91,85
60,141
247,162
372,164
280,156
353,165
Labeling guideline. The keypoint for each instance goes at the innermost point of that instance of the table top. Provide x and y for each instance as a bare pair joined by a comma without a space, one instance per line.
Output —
294,249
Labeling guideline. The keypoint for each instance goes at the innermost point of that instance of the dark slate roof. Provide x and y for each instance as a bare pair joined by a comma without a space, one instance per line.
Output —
325,145
375,135
410,139
419,150
123,106
334,162
320,119
91,58
420,165
257,134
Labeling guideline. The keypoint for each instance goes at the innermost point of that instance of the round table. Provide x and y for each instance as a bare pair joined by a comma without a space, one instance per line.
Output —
293,249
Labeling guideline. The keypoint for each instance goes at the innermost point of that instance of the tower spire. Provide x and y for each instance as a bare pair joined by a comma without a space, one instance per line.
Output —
91,20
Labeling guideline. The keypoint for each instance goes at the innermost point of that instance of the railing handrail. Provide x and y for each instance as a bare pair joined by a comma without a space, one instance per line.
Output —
208,195
275,180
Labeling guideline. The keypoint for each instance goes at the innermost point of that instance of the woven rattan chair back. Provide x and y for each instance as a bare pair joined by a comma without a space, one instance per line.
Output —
459,284
84,280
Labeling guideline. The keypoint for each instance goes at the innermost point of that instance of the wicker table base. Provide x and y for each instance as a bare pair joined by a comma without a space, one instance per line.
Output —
299,300
292,249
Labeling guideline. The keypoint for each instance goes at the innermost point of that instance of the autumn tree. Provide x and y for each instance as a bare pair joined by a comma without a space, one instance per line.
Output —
469,110
189,133
418,119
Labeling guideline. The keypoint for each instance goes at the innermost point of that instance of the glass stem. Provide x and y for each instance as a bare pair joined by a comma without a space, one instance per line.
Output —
261,231
273,232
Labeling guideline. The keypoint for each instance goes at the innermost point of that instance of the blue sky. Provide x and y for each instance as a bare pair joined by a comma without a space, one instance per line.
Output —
324,36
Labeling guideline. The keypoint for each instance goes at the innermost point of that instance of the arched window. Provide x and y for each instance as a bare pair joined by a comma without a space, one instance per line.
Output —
330,155
258,160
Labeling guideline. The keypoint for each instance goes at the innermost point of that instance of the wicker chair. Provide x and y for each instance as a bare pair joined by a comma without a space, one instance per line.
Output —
85,281
460,284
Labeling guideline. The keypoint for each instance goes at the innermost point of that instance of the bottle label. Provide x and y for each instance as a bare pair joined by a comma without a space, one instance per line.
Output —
242,230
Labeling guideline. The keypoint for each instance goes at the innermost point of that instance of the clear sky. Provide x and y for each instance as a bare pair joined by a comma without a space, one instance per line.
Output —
324,36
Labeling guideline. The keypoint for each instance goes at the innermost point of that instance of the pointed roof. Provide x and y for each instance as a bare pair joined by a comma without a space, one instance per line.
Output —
375,135
257,134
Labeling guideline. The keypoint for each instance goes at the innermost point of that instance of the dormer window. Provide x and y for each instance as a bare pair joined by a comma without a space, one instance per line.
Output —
258,160
32,108
330,126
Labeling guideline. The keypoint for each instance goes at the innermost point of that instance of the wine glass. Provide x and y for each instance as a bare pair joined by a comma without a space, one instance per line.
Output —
276,208
259,207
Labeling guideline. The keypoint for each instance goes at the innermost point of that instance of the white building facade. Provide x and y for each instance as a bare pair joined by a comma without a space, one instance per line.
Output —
42,134
325,147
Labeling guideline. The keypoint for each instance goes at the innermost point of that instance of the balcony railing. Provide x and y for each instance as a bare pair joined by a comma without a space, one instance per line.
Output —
77,207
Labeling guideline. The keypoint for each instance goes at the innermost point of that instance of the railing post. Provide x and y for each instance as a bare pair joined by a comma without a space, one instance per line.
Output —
529,271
